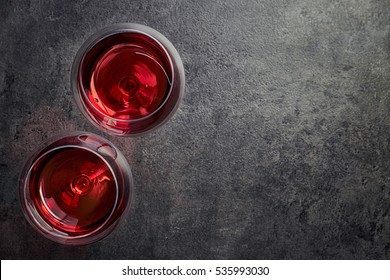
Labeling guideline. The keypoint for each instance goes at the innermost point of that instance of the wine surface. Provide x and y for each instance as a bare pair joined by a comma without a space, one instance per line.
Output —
127,81
73,190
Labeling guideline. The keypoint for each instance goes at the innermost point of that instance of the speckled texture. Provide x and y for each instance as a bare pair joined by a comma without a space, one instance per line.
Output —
279,150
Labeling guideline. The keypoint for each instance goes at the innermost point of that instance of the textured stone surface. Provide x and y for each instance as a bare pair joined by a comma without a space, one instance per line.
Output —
280,148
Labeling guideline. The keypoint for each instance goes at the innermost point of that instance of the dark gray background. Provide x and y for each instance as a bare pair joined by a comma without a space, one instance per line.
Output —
280,148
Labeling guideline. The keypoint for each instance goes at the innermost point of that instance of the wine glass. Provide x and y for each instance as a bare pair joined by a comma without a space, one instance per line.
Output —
127,79
75,188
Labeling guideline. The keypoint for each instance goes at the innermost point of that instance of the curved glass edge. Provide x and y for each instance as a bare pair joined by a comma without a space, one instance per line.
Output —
178,80
124,175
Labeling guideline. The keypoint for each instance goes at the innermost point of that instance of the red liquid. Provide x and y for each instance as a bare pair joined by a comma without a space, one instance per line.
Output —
73,190
126,76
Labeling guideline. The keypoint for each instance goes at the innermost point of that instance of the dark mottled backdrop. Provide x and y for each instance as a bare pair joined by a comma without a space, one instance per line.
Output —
280,148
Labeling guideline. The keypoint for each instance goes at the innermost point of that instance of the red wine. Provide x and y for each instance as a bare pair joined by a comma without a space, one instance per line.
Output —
126,77
73,190
127,82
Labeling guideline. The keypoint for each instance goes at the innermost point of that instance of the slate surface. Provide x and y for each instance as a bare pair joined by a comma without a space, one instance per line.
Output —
280,148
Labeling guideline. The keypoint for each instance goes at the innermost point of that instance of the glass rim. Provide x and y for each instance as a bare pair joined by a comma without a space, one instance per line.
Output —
135,28
26,191
47,230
